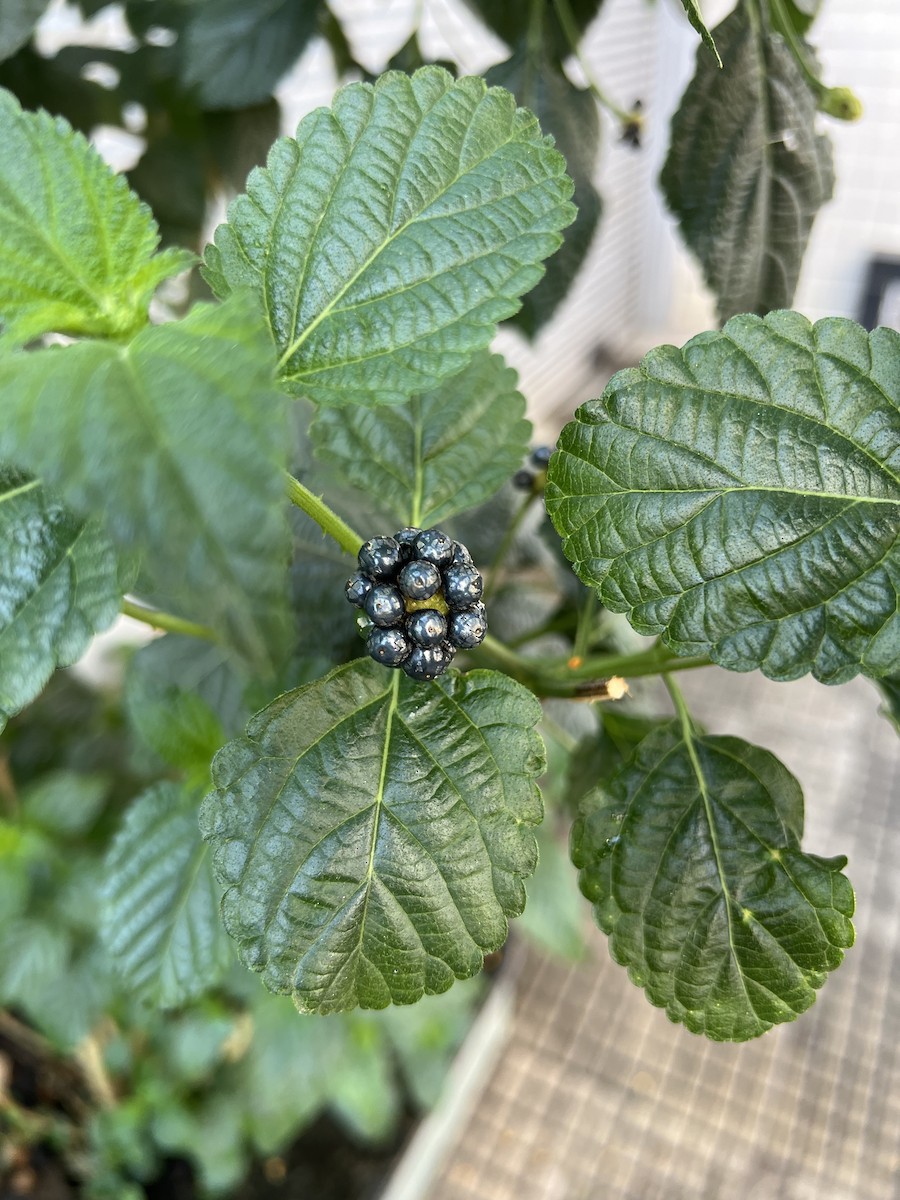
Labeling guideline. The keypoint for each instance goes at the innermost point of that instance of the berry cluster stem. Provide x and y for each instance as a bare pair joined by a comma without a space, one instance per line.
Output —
168,622
326,518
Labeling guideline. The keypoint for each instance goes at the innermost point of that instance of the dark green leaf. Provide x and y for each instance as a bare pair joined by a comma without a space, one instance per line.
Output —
160,919
691,857
741,497
233,52
65,803
692,8
890,690
373,833
17,21
747,172
387,240
179,441
58,587
570,115
436,455
512,22
76,247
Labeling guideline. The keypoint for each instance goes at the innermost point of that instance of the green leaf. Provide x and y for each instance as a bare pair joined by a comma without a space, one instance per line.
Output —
570,115
800,13
438,454
76,246
58,587
373,834
17,21
694,15
740,496
388,239
890,691
65,803
747,172
234,53
511,21
160,919
691,857
179,441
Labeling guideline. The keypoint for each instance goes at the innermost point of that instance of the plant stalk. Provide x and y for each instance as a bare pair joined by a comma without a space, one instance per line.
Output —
168,622
327,520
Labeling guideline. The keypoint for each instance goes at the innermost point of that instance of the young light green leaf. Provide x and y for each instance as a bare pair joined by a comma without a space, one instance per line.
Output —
373,834
392,234
691,857
741,497
694,15
438,454
747,172
233,53
77,248
160,917
58,587
179,441
17,21
569,114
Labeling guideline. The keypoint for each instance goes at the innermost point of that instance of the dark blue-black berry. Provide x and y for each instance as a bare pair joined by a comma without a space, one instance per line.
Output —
461,556
468,627
435,546
419,580
379,557
523,480
390,647
462,586
384,604
540,456
426,627
357,588
405,538
427,662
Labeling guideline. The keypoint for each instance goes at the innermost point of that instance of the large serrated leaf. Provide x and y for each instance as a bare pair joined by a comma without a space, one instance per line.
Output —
160,917
438,454
747,172
77,248
570,115
691,857
373,834
234,53
741,496
59,586
179,441
388,239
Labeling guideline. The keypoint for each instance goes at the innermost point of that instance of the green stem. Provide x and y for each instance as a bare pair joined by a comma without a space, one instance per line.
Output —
327,520
585,624
681,708
506,544
839,102
167,621
570,29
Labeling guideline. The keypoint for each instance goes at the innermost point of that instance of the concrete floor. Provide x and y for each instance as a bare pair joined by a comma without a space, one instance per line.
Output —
598,1096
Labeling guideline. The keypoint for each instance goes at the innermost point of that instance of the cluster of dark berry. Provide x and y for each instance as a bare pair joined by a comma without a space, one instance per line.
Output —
422,593
526,479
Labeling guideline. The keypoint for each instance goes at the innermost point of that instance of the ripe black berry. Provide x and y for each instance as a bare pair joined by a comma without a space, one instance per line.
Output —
390,647
357,588
540,456
426,627
461,556
379,557
427,662
462,586
467,627
523,480
384,604
405,538
435,546
419,580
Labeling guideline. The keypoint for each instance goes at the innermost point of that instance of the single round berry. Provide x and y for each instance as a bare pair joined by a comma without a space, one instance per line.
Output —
384,604
426,662
435,546
390,647
379,557
461,556
405,538
426,627
357,588
468,627
523,480
419,580
540,456
462,586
